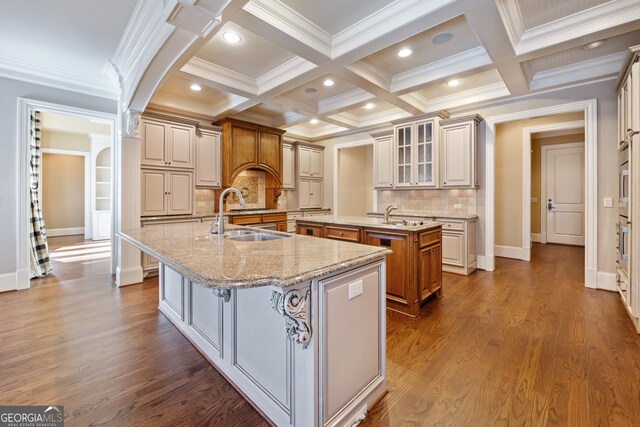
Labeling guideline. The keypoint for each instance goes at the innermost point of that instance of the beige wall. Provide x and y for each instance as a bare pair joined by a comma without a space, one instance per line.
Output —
355,196
62,191
65,140
536,165
508,176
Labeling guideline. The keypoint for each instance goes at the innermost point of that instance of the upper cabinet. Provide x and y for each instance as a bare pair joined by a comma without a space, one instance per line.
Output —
310,162
309,178
167,144
208,168
458,152
416,151
288,166
383,159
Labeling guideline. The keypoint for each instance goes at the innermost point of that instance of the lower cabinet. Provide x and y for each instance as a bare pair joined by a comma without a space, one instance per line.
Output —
314,230
273,221
459,245
310,193
430,266
399,289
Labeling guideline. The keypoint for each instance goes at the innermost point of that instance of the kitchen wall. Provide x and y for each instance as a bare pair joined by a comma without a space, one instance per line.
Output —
63,191
508,176
11,90
536,165
356,180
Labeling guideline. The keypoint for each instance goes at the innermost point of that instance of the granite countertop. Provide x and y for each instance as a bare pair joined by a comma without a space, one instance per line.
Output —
227,213
365,221
216,261
427,214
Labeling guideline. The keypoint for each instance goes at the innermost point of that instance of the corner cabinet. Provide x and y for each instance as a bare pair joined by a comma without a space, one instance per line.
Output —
416,143
383,159
459,152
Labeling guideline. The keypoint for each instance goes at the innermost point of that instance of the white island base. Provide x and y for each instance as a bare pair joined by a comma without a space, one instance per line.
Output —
312,354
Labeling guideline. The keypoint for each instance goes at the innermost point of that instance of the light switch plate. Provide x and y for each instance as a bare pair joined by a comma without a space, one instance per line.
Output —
457,206
608,202
355,289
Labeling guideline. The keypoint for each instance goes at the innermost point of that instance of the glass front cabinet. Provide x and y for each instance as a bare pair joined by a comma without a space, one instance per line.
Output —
416,151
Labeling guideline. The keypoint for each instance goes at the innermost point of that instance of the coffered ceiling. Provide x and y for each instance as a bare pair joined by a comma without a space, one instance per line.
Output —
496,49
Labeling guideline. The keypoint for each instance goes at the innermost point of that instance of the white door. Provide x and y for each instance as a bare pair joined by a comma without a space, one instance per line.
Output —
565,193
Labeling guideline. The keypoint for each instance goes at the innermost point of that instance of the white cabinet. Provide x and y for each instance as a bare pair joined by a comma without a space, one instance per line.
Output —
458,245
416,151
166,192
310,193
167,144
458,152
208,168
288,166
310,162
383,159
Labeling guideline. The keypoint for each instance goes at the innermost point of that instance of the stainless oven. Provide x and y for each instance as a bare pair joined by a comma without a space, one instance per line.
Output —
623,236
623,176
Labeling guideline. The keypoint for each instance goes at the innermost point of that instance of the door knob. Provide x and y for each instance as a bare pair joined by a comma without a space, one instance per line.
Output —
550,206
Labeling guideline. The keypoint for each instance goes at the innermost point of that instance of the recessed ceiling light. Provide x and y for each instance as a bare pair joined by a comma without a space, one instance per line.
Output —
442,38
594,45
231,37
314,121
404,52
310,90
369,106
196,87
328,82
453,82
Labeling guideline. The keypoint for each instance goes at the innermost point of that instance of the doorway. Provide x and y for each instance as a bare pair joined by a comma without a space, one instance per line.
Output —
354,180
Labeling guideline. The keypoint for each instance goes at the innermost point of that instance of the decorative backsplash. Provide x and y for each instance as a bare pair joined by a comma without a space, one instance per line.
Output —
252,185
205,201
429,200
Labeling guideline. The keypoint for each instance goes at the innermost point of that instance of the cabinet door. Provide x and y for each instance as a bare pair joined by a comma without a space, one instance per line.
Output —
154,193
398,285
244,149
316,163
180,200
453,248
383,162
426,152
315,230
288,167
270,152
180,146
305,193
153,143
304,161
315,195
456,156
208,160
435,268
404,173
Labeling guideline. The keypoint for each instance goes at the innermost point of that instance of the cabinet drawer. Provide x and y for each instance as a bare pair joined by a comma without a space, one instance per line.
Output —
342,233
430,237
310,230
275,217
246,219
452,225
294,215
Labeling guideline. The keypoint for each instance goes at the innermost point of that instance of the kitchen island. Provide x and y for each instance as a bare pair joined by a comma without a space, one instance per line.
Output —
414,268
296,324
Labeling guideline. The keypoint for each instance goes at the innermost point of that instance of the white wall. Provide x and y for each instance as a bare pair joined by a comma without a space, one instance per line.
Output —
604,92
11,90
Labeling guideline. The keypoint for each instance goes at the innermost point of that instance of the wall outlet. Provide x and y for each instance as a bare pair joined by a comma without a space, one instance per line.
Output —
355,289
457,206
608,202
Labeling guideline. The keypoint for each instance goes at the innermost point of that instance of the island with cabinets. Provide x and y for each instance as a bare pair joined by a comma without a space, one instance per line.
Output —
414,268
296,324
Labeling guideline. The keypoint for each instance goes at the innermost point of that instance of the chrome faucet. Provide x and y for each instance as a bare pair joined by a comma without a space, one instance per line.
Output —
220,222
387,211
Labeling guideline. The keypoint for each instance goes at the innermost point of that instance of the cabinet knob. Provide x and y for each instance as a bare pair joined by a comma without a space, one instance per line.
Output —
341,233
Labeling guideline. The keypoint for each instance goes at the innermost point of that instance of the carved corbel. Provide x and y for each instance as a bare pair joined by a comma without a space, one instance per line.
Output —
225,294
294,305
132,123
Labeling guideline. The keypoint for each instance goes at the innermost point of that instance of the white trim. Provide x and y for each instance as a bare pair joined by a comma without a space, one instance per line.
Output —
223,77
129,276
88,193
344,100
467,97
526,178
25,106
54,232
514,252
590,108
481,262
8,282
336,168
512,20
590,69
283,73
458,63
536,238
607,281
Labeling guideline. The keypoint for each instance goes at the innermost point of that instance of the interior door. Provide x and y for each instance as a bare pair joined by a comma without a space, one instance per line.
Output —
565,194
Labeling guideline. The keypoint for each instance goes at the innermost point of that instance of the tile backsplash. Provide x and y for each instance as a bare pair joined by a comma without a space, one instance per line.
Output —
429,200
205,201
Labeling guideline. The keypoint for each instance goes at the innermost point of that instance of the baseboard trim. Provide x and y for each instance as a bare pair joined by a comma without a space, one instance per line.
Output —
55,232
536,237
514,252
480,262
129,276
591,278
8,282
607,281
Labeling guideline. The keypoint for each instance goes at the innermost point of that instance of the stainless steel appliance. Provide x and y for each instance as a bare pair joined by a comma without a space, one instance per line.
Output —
624,183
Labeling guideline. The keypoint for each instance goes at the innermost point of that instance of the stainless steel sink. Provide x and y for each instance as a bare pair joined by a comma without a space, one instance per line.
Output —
412,222
256,237
392,222
233,233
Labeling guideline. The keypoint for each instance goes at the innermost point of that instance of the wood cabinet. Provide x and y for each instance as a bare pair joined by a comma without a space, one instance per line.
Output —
342,232
208,167
458,154
167,144
430,270
383,159
288,166
309,229
166,192
310,162
279,219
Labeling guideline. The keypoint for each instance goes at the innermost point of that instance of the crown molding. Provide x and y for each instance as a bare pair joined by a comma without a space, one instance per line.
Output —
367,71
598,18
317,133
283,73
197,20
290,118
288,21
585,70
471,96
371,119
218,75
383,21
254,117
417,100
183,104
512,20
458,63
47,76
344,100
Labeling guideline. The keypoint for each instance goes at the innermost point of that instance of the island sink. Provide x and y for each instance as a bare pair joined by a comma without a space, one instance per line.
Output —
256,237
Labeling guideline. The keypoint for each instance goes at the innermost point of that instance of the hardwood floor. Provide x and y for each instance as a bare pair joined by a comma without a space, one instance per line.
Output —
526,345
